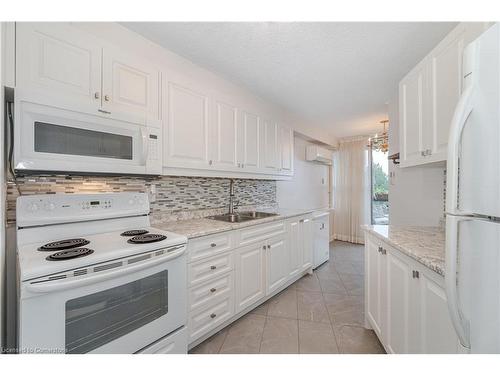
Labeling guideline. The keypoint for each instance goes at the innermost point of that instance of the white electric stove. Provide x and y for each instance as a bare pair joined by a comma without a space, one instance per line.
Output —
94,276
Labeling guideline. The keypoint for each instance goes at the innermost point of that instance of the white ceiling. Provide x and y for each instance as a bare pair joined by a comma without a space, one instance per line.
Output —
336,75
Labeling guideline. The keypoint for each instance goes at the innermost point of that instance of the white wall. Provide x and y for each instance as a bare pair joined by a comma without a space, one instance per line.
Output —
309,188
167,61
416,194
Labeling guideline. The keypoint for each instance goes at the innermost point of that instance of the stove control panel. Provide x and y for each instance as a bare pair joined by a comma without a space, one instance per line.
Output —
60,208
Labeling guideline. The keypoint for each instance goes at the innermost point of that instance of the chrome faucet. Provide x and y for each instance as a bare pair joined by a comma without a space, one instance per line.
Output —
232,204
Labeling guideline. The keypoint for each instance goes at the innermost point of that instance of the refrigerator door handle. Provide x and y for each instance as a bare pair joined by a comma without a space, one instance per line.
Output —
462,112
459,323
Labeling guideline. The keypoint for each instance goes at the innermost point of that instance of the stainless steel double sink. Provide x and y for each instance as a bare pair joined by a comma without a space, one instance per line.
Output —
242,216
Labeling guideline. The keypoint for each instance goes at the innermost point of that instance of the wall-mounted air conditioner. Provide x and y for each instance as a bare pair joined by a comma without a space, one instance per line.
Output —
318,154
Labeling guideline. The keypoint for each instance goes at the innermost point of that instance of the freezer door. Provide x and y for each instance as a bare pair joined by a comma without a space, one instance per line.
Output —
479,282
479,155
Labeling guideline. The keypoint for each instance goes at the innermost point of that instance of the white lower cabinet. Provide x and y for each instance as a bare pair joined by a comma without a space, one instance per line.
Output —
250,281
231,272
406,302
276,263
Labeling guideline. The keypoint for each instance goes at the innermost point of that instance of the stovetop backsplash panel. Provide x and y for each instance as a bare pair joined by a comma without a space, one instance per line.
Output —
176,197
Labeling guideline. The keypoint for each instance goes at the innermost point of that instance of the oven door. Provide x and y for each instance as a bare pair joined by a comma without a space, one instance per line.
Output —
120,310
47,138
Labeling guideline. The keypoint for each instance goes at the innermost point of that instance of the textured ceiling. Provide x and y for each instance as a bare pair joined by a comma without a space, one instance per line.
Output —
336,75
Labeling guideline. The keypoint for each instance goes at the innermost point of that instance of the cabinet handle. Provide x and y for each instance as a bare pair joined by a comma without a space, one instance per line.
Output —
210,162
103,111
422,153
416,274
213,290
384,251
106,98
264,247
429,152
213,244
97,95
239,165
213,267
242,165
268,246
301,220
213,315
380,249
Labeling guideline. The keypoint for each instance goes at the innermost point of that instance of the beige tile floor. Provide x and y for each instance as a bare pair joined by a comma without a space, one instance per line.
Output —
320,313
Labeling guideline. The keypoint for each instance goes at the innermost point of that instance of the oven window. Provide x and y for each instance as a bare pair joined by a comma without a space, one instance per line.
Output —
66,140
99,318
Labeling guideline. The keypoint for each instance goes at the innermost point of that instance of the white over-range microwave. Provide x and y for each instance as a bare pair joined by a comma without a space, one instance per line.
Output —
51,139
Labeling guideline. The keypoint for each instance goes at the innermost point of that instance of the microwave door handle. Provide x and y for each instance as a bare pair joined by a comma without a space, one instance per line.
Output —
57,285
145,145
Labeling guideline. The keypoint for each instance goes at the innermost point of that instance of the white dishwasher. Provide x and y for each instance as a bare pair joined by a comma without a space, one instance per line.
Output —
321,238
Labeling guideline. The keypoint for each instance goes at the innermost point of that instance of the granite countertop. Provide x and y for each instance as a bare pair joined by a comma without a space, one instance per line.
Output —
424,244
192,228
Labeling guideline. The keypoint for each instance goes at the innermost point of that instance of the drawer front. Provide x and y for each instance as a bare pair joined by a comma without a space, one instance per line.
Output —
206,270
205,319
205,294
260,232
175,343
205,247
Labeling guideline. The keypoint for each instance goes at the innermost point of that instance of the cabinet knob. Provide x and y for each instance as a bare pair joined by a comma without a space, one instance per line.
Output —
107,98
380,249
416,274
210,162
264,247
213,267
242,165
268,246
97,95
213,290
422,153
213,315
213,244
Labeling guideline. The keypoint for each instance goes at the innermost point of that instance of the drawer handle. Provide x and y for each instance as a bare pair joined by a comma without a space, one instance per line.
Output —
213,290
213,315
213,244
213,267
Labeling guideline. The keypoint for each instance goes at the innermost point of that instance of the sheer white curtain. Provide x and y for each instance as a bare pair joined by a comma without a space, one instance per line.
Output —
351,189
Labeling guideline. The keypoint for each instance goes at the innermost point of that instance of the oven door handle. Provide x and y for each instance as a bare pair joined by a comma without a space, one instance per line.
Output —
56,285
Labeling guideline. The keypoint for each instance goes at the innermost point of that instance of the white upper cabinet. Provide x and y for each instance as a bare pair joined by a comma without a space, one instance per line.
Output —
250,142
413,113
187,125
61,65
445,88
428,96
270,151
225,133
130,86
286,150
58,64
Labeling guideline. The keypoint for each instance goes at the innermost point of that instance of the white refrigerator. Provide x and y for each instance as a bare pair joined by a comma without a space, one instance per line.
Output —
472,272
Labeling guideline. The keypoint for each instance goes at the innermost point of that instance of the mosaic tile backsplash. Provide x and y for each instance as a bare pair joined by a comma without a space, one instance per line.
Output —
176,197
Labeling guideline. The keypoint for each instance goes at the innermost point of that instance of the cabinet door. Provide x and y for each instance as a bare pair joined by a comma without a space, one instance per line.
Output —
294,248
286,150
276,263
307,243
249,145
398,284
249,273
130,87
270,160
412,112
437,335
59,65
225,133
187,125
445,89
376,288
